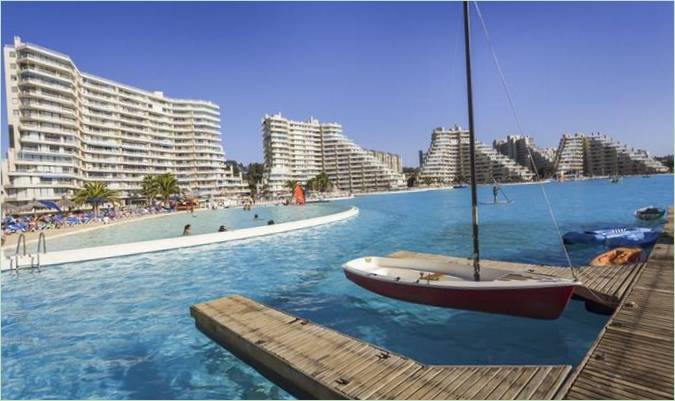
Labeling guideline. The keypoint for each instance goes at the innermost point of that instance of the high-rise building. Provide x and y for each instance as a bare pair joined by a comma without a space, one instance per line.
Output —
299,150
520,148
68,127
448,160
391,160
570,155
600,155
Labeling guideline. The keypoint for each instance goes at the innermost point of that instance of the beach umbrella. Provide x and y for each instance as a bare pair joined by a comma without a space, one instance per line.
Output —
33,205
50,205
65,203
11,209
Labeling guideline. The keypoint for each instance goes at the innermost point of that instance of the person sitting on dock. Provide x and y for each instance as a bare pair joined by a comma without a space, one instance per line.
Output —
222,229
187,230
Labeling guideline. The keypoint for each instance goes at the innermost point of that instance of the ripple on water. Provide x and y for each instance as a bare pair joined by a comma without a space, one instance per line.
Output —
120,328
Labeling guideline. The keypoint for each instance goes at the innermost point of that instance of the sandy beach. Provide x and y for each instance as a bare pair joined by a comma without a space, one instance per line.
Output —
32,237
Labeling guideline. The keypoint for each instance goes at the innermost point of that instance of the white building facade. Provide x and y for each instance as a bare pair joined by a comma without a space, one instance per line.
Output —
523,151
67,127
300,150
600,155
448,161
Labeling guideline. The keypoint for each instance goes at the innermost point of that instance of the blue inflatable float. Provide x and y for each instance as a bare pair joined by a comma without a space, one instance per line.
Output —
614,237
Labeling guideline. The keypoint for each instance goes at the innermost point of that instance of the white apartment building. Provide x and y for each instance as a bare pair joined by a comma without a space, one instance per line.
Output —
391,160
67,127
600,155
300,150
570,157
520,148
448,160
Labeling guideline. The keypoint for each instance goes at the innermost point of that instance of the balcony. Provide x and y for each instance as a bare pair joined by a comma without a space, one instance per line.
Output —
37,93
43,84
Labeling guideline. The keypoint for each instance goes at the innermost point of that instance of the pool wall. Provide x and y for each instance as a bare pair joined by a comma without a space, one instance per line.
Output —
111,251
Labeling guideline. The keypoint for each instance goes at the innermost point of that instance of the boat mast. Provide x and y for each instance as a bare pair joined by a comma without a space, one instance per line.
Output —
469,95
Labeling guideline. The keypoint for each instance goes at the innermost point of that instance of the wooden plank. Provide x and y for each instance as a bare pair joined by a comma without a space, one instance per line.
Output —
447,376
394,377
448,390
632,358
309,360
501,383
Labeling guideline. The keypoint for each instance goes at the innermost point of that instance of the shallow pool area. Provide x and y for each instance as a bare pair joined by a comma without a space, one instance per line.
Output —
120,328
202,222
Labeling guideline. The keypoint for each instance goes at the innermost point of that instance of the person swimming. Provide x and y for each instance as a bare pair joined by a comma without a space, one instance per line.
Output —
255,216
187,230
270,222
222,229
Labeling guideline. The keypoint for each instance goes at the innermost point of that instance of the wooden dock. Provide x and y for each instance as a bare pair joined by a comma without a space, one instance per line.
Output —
632,358
312,361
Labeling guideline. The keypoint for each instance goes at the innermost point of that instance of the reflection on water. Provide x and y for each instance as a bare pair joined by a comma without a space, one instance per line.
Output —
120,328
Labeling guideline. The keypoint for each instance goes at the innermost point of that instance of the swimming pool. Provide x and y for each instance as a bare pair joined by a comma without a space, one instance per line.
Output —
120,328
202,222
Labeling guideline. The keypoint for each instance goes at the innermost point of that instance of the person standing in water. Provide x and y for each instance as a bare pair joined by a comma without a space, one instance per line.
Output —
187,230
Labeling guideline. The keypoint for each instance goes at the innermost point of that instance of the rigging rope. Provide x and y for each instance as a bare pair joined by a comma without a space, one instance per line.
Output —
520,131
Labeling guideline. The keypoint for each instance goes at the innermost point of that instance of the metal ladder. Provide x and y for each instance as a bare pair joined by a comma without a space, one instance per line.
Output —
14,263
41,247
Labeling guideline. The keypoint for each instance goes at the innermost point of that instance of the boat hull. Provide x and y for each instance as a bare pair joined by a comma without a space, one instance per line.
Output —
649,215
618,257
538,303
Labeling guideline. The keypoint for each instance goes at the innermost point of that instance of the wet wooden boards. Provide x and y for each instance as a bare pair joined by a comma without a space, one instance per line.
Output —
311,361
632,357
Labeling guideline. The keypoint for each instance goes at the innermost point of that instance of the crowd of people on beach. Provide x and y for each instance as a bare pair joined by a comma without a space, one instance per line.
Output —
42,221
48,221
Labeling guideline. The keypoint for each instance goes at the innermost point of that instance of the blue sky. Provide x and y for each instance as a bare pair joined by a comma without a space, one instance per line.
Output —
388,72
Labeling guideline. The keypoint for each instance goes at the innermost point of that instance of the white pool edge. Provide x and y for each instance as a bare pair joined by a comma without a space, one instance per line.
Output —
134,248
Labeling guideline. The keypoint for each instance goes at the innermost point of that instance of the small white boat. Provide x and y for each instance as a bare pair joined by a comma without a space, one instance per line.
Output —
462,286
649,213
449,285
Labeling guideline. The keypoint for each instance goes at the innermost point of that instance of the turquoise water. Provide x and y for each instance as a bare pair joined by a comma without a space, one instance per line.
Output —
202,222
120,328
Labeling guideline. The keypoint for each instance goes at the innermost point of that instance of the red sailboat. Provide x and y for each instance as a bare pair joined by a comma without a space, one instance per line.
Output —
458,286
299,195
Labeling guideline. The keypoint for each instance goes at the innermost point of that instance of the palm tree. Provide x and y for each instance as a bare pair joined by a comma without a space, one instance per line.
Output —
167,185
95,194
322,182
149,188
290,184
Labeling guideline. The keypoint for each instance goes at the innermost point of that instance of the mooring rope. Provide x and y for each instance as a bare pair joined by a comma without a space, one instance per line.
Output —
520,131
